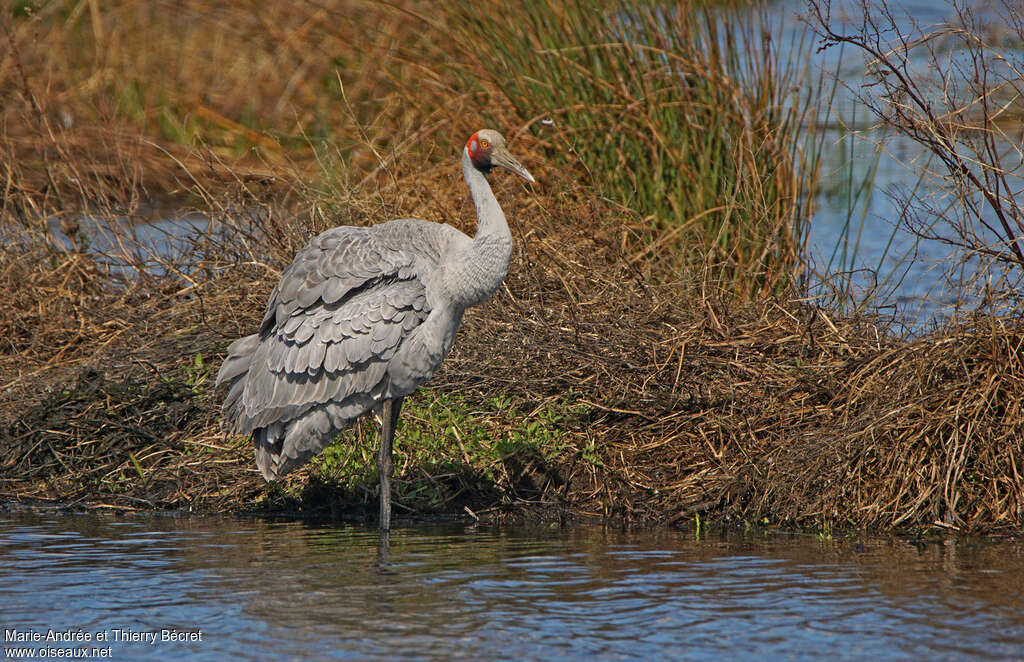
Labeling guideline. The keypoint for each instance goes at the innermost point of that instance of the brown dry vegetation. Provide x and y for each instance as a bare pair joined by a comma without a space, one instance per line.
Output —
686,404
678,397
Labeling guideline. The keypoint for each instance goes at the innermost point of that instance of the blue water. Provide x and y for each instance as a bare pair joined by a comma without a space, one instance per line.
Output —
916,281
156,245
259,590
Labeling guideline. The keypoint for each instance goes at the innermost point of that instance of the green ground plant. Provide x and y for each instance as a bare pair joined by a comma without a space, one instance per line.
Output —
449,446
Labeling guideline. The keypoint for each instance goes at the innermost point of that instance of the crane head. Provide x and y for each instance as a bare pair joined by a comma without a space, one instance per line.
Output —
487,149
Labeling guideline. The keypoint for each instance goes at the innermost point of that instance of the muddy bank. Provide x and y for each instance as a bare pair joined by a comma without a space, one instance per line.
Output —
587,388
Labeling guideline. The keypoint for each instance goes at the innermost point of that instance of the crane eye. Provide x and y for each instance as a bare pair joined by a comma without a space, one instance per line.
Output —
485,144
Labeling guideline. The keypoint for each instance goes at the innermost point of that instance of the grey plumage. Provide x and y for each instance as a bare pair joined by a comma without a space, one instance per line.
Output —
362,317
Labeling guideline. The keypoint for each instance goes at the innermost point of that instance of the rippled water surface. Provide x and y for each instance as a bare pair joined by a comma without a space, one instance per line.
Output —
266,590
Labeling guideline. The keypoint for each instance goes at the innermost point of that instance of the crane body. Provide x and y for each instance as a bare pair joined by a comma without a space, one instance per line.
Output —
360,319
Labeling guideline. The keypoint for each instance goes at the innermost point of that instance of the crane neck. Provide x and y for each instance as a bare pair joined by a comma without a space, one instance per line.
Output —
475,270
491,221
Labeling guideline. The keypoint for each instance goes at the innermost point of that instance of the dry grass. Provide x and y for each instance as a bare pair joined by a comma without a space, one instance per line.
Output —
681,404
102,102
772,410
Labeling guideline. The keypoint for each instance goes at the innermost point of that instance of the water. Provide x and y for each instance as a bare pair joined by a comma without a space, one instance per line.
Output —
888,265
123,246
260,590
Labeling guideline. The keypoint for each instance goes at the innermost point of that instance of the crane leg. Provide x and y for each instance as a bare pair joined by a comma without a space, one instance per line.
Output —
389,419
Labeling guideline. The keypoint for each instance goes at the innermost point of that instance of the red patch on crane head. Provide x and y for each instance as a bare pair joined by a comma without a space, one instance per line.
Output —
479,151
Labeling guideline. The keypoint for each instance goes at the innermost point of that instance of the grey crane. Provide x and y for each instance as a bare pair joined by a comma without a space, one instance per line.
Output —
359,320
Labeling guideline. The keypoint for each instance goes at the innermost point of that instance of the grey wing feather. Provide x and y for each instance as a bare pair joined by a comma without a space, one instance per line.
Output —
343,259
338,315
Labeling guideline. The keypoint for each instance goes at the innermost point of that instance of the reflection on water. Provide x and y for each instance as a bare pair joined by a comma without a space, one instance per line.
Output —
265,590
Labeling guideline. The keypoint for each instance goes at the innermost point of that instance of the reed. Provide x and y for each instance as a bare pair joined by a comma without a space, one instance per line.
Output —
685,113
130,100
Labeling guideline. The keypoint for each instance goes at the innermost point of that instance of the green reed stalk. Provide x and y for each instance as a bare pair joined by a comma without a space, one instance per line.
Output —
682,112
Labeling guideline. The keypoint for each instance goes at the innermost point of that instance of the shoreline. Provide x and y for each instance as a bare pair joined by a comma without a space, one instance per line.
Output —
730,412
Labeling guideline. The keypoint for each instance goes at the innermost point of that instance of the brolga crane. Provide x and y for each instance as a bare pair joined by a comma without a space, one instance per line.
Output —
359,320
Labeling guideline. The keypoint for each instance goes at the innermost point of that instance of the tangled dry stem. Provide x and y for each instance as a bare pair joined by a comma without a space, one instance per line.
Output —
683,403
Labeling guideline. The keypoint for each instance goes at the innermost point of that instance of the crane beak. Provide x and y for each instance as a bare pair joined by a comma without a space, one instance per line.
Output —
501,157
